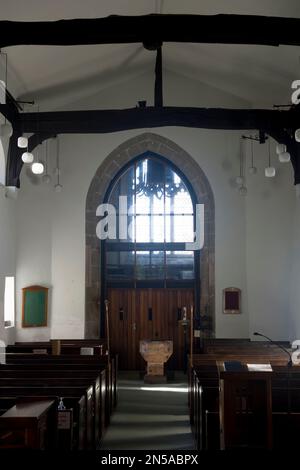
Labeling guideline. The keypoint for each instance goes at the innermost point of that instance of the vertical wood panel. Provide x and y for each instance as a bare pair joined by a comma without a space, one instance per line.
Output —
164,324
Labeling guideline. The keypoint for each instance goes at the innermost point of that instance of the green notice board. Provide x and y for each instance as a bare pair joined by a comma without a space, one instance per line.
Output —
35,306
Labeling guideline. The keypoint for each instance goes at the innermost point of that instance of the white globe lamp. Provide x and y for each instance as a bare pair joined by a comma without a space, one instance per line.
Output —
243,191
284,157
27,157
22,142
58,188
37,168
280,148
239,180
270,172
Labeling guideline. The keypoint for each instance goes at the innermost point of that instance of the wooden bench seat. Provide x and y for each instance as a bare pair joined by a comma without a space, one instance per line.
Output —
29,425
73,399
87,384
204,388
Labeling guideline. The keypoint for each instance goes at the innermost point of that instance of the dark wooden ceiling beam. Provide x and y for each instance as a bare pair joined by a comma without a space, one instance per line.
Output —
279,124
104,121
153,30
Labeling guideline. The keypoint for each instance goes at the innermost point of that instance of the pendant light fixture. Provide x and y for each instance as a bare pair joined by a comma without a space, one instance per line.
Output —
280,148
46,177
37,167
27,157
252,169
6,129
283,155
58,187
240,180
270,171
22,142
297,135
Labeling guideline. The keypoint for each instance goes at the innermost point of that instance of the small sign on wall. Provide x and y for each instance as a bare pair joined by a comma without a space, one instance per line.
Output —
232,300
65,419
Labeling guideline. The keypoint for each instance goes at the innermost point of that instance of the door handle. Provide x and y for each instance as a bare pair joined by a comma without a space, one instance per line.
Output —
134,326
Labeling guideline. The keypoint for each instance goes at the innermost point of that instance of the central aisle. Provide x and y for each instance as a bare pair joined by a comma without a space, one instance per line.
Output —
150,417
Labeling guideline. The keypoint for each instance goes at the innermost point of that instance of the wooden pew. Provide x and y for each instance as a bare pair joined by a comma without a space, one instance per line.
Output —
49,382
94,362
78,398
29,425
70,376
67,346
203,376
62,375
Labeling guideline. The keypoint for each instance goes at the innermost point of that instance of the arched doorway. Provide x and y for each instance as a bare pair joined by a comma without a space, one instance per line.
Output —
127,158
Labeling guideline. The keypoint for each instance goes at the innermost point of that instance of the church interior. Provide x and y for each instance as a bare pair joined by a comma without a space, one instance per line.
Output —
149,225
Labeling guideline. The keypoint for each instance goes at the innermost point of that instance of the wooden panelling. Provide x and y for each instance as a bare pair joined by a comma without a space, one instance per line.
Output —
137,314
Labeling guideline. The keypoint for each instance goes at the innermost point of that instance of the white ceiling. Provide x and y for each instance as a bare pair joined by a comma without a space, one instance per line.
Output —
260,75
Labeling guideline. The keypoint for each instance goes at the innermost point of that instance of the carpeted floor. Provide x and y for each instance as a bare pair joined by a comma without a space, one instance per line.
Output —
150,417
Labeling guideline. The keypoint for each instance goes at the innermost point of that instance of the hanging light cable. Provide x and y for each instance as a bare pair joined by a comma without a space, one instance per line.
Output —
283,155
270,171
240,179
23,141
37,167
46,178
58,186
6,129
242,188
27,157
252,169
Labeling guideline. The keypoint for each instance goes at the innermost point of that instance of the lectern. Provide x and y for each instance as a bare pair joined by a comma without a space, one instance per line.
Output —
245,406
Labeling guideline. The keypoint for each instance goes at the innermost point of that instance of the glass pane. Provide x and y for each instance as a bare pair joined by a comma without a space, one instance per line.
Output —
178,200
142,204
180,265
150,187
142,228
179,228
183,203
157,226
124,187
125,230
149,265
149,228
120,265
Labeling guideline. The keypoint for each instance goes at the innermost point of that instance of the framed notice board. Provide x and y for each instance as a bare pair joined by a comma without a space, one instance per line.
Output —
35,306
232,300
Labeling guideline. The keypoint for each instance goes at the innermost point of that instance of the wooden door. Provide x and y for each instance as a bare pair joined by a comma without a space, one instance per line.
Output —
148,313
122,326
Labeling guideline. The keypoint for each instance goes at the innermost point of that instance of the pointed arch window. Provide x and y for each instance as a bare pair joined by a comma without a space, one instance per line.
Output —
159,218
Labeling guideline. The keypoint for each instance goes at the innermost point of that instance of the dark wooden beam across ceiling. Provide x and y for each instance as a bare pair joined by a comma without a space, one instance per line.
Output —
279,124
104,121
153,30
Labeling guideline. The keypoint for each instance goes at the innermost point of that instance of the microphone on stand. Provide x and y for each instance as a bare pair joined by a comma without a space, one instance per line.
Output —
290,362
289,365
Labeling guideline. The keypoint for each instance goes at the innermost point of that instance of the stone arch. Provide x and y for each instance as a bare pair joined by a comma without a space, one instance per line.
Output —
112,164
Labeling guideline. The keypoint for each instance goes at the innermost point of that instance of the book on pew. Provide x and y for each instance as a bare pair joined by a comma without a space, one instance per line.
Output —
259,367
233,366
